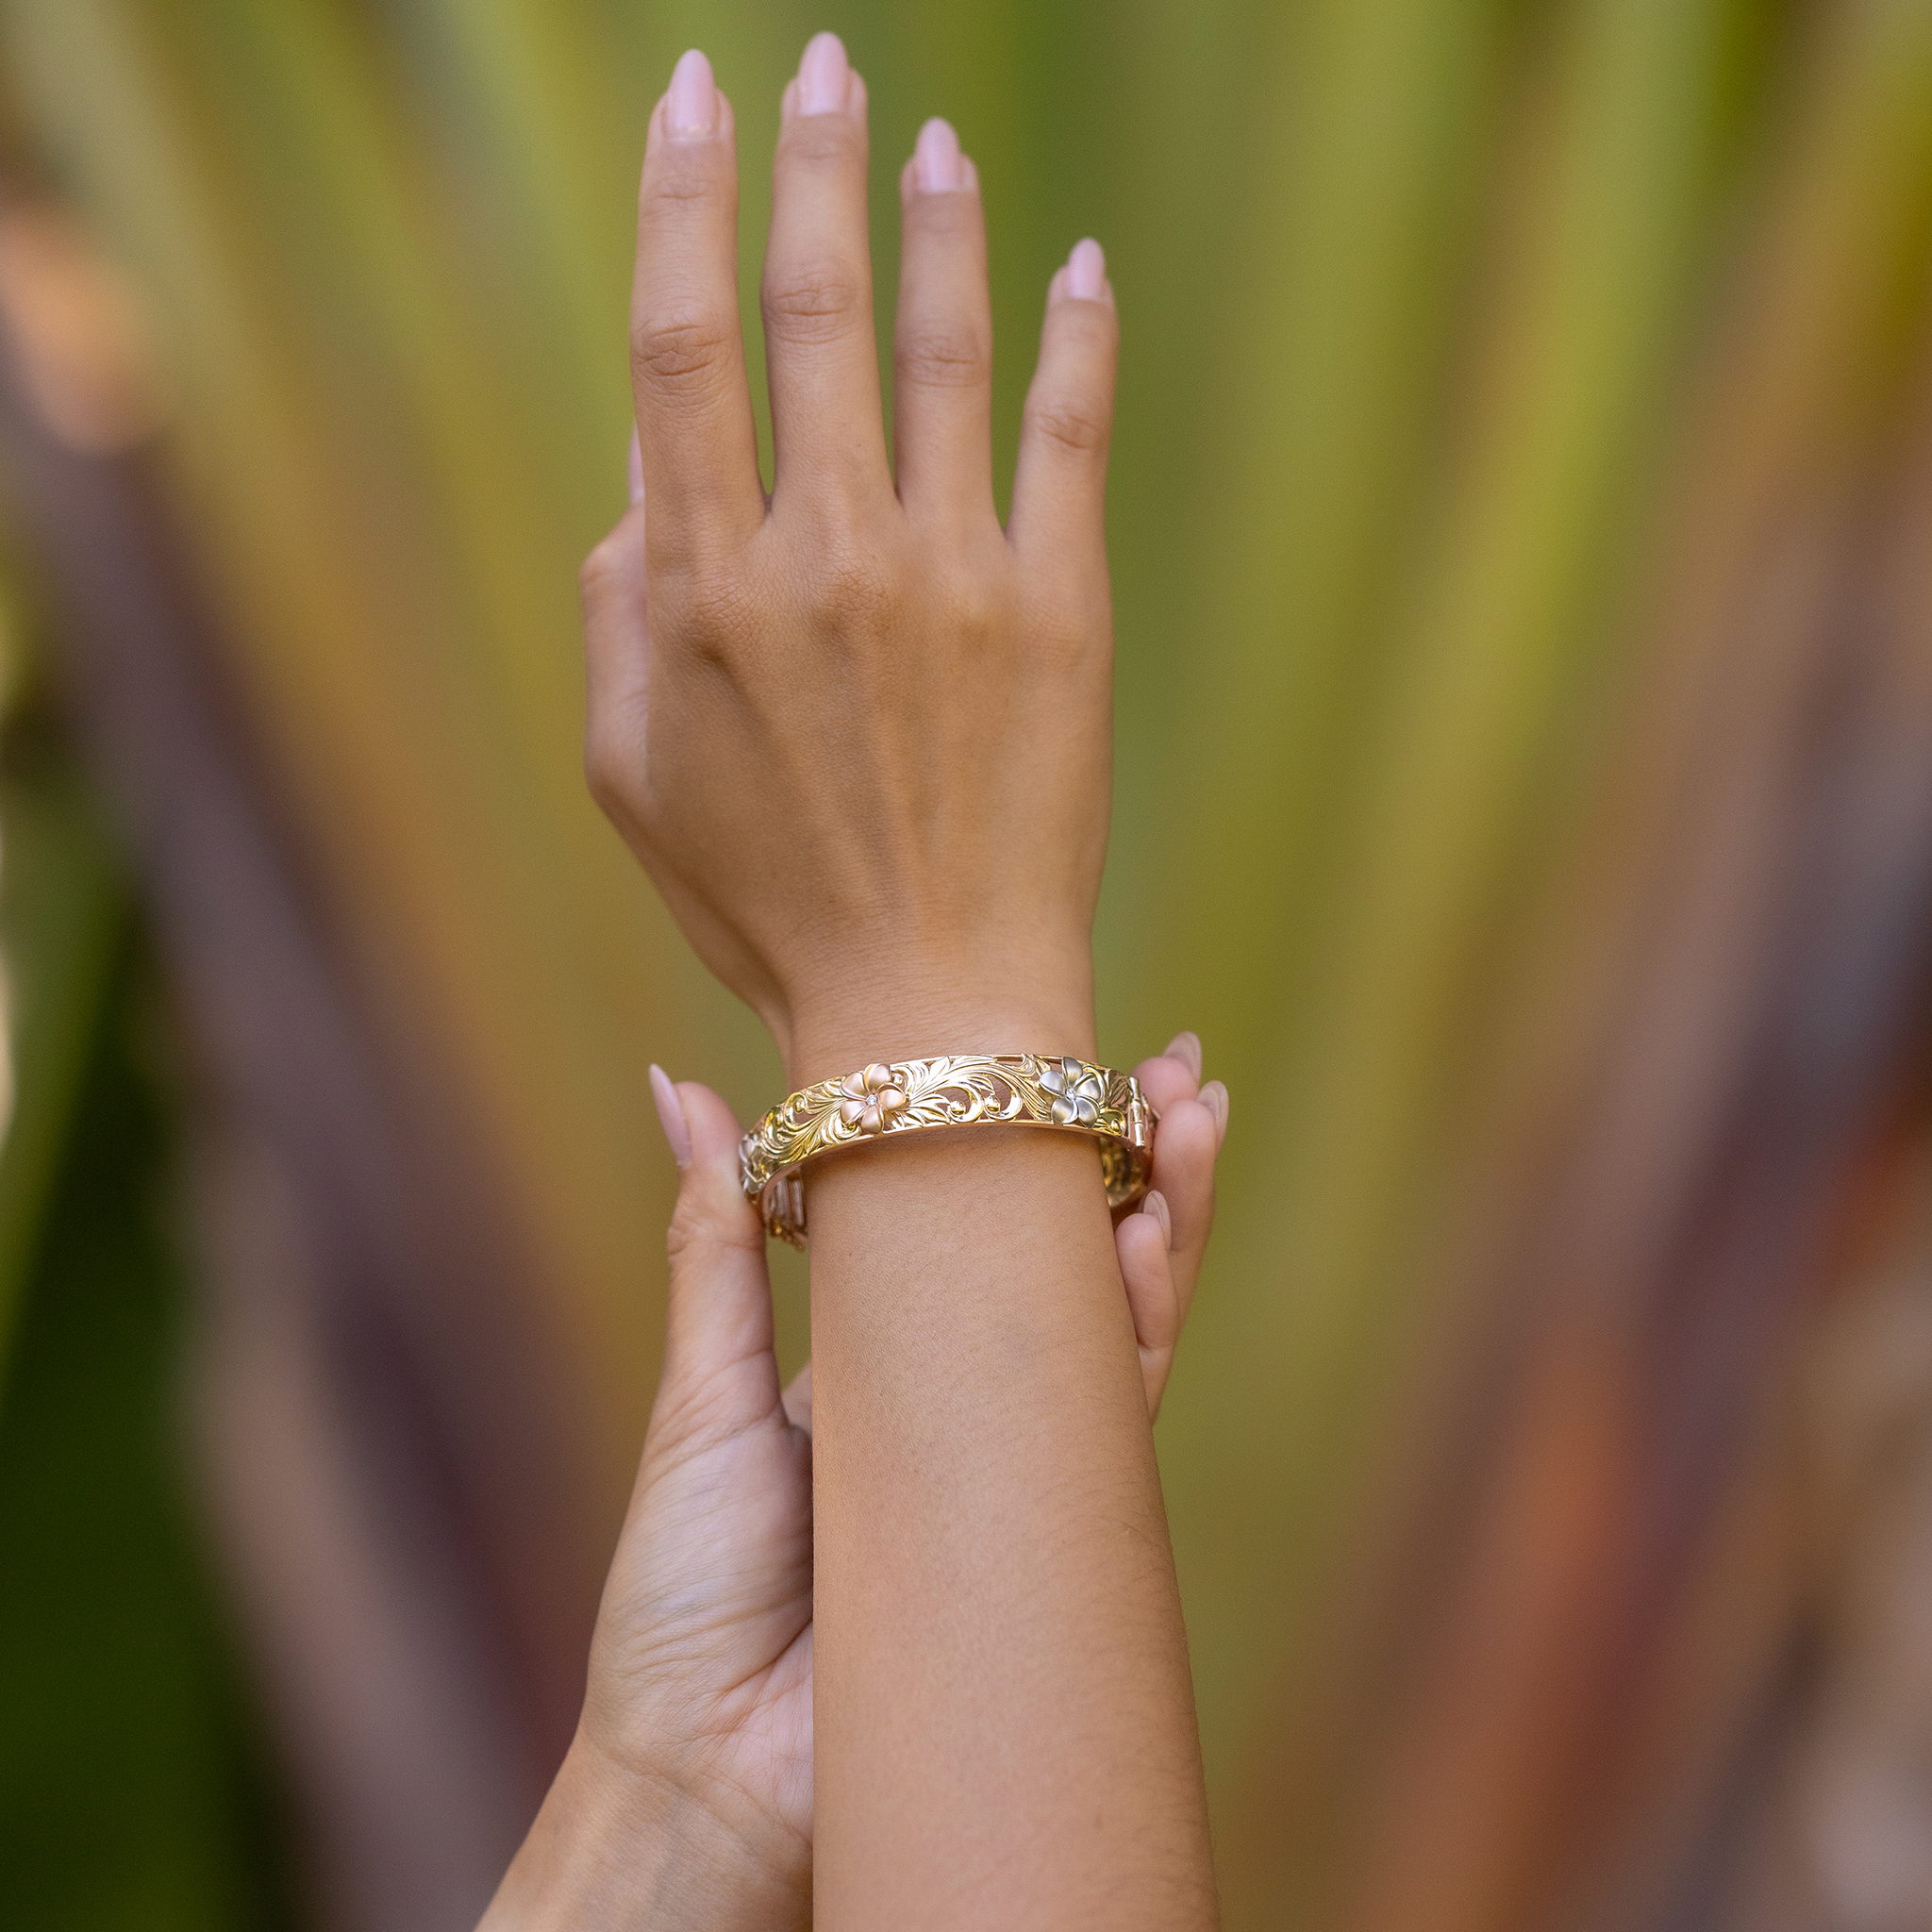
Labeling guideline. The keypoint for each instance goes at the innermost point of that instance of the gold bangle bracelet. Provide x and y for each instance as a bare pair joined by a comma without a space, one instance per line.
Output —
957,1091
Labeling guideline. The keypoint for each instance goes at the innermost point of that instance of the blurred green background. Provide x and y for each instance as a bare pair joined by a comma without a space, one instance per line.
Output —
1484,361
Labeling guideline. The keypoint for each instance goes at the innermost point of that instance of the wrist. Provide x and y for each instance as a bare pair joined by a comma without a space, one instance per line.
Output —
618,1848
913,1007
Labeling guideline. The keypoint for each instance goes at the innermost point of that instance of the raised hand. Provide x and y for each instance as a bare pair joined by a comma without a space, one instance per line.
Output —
859,734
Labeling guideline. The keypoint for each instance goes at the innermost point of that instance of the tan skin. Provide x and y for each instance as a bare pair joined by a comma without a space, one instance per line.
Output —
900,1645
687,1796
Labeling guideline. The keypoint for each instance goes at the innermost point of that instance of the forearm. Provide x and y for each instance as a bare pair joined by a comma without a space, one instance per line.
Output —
1003,1718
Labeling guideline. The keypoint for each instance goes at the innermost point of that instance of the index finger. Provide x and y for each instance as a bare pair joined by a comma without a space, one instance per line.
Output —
695,436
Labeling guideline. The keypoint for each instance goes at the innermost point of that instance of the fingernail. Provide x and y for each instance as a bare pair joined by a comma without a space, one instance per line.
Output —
671,1115
938,166
1185,1048
691,108
1087,272
636,469
1156,1205
1214,1098
823,78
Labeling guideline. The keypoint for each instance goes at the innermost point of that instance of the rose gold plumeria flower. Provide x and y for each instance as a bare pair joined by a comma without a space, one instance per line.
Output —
871,1098
1077,1092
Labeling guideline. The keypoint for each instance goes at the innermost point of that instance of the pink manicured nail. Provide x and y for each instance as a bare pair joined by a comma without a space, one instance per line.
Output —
671,1115
823,78
1156,1205
1214,1098
1087,272
1185,1048
635,468
938,166
691,108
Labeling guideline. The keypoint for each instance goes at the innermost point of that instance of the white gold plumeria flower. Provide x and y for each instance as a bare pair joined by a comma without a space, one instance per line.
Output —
1077,1092
871,1098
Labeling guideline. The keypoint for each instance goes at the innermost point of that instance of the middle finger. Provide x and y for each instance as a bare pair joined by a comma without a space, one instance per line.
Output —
827,431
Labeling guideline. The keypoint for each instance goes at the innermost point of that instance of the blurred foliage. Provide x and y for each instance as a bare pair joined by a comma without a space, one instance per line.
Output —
1415,293
62,912
134,1787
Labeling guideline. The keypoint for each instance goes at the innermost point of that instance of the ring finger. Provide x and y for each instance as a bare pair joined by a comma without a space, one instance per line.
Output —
943,341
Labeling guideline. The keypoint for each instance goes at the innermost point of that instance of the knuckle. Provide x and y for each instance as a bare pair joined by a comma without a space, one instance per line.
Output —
1070,419
683,178
936,355
970,607
1090,328
850,589
1065,625
711,609
710,1228
614,568
601,571
609,760
679,351
819,141
812,303
1063,649
948,221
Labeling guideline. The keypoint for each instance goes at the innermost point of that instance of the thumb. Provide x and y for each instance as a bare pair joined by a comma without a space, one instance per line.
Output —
617,649
720,1375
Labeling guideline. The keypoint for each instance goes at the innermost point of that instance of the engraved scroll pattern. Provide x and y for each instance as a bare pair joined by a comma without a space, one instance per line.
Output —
955,1090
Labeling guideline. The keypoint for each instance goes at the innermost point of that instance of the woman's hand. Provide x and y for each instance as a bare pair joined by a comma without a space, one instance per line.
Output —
699,1697
859,734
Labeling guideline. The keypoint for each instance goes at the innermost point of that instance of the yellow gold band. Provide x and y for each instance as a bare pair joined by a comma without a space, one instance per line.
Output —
956,1091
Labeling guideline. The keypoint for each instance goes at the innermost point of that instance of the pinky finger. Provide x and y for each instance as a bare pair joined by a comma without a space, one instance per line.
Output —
1146,1268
